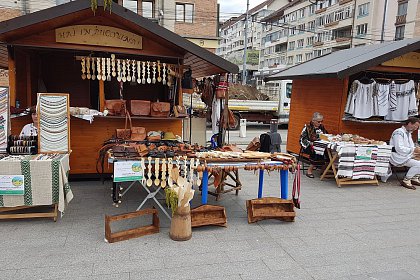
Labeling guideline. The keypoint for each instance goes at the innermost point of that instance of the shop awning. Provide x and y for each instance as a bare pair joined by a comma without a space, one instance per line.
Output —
347,62
201,61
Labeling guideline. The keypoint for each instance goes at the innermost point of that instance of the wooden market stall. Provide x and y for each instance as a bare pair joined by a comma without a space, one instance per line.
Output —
322,85
45,50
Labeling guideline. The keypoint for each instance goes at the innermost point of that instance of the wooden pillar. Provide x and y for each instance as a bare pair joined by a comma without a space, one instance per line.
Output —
12,75
343,103
101,95
28,80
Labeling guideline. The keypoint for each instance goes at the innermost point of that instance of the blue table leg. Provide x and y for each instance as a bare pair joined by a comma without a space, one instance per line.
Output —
205,187
261,183
284,183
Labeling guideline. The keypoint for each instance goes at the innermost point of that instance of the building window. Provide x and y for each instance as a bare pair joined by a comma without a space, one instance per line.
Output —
309,41
147,9
301,13
320,21
293,16
184,12
329,18
312,9
290,59
291,45
299,58
311,25
402,9
292,31
131,5
362,29
363,10
301,28
300,43
399,32
308,56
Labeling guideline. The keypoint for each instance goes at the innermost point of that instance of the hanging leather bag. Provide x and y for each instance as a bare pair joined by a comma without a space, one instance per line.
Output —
180,111
140,107
115,107
160,109
124,133
221,90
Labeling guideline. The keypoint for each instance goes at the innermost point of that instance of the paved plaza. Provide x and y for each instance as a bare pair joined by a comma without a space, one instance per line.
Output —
355,232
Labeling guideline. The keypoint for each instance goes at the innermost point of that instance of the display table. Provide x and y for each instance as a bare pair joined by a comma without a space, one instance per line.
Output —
357,163
283,177
45,183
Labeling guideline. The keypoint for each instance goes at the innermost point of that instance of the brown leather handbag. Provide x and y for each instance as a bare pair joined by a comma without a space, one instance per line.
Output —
124,133
180,111
160,109
138,133
140,107
115,107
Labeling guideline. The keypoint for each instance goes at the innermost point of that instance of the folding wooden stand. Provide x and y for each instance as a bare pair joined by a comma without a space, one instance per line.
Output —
25,212
270,208
343,181
131,233
235,186
208,215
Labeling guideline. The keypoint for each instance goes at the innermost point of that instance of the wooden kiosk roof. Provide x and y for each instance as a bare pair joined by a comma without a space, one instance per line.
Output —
347,62
202,62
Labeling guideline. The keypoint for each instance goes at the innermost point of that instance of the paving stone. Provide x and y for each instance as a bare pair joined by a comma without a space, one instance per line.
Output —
71,271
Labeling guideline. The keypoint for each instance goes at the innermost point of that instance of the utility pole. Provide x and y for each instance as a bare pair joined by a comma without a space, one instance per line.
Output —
245,44
383,21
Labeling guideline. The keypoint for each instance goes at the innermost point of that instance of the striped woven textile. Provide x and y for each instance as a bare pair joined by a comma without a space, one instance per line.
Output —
382,160
363,169
45,182
320,146
346,160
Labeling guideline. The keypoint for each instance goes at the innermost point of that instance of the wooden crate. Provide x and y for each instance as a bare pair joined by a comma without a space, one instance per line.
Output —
131,233
208,215
270,208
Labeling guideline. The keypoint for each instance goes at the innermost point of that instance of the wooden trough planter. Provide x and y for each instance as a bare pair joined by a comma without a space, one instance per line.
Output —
270,208
131,233
208,215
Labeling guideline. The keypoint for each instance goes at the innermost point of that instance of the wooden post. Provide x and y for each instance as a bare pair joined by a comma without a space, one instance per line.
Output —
12,75
28,81
101,95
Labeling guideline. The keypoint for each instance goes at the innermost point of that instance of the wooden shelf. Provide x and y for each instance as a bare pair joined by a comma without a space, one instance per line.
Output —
139,118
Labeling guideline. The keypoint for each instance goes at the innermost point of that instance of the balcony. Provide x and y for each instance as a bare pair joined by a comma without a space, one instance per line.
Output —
400,19
317,44
342,2
342,39
320,10
332,23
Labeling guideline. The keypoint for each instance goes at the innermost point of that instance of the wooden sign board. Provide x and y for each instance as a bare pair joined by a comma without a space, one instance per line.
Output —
98,35
4,78
410,60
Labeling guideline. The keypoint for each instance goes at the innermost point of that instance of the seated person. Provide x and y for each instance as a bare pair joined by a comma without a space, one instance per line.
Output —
31,129
310,133
403,152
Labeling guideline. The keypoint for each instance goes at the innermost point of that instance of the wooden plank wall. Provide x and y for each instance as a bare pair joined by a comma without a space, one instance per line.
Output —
309,96
87,139
329,97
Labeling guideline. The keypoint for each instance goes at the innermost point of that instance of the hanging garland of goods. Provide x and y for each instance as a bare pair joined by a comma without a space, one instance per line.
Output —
94,5
127,70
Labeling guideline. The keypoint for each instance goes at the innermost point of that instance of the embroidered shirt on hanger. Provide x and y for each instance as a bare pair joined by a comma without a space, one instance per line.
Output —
405,98
380,100
360,100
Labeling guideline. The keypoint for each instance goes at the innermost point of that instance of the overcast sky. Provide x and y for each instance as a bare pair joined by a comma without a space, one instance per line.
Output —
229,8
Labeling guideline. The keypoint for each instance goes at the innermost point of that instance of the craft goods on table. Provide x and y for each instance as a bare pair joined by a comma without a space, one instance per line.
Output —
358,158
45,180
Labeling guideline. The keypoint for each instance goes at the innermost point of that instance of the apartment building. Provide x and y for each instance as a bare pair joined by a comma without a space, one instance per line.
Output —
196,20
232,33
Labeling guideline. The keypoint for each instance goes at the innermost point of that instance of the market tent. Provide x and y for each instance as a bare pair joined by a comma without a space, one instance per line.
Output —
202,62
322,85
347,62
